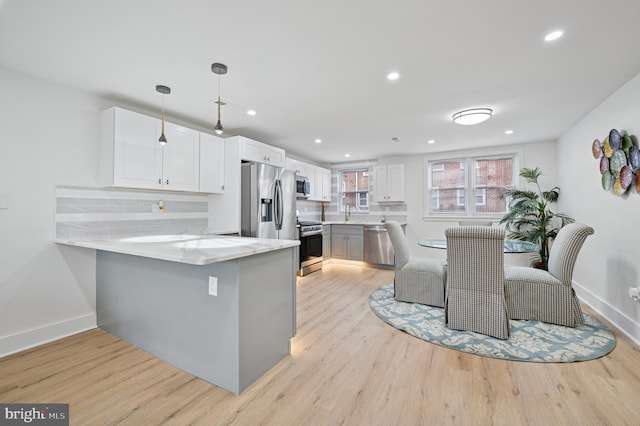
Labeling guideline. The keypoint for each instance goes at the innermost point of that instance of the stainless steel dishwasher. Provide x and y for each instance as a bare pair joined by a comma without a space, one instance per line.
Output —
377,245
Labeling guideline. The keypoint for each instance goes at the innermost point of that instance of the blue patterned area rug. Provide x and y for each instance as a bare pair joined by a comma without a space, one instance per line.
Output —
532,341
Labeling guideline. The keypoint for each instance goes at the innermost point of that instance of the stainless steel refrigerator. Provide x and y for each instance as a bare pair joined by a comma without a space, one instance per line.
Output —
267,202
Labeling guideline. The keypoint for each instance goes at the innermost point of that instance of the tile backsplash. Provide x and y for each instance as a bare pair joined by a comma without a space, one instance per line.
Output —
312,210
82,213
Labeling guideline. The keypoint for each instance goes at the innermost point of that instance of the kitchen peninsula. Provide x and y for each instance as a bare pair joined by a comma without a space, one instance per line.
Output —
221,308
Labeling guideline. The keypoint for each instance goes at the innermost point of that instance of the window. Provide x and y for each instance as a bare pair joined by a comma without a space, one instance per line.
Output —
354,190
493,176
453,191
447,180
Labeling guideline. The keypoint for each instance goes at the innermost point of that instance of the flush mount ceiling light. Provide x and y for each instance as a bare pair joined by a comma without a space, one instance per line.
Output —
472,116
318,141
431,141
219,69
508,132
164,90
251,112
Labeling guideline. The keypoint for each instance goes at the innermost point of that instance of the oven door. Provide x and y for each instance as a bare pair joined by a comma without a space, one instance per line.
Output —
310,249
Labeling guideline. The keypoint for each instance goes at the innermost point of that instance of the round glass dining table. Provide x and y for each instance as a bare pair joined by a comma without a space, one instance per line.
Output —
510,246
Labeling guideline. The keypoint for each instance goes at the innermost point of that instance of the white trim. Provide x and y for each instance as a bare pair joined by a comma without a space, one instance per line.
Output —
38,336
622,322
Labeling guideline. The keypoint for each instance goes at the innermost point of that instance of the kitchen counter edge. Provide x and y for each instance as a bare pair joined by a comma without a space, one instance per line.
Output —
196,253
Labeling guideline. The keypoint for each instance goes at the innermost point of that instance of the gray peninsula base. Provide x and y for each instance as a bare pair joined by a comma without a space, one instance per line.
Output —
164,308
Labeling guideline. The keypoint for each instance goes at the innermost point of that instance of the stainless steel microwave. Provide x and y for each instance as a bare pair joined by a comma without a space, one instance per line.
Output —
303,187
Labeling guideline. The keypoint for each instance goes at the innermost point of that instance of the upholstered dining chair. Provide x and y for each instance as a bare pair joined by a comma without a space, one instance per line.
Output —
417,279
548,296
475,299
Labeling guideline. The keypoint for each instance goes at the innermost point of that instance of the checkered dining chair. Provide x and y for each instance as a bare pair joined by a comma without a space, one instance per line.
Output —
475,298
548,296
417,279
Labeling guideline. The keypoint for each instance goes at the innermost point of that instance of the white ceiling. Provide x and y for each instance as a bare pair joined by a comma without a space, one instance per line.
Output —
317,69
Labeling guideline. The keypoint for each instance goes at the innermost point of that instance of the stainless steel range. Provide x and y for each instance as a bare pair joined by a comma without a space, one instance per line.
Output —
310,246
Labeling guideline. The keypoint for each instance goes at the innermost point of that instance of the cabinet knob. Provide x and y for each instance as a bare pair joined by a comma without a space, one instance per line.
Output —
159,181
167,182
222,187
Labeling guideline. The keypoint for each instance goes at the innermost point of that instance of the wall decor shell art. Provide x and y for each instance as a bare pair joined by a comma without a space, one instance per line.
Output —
619,161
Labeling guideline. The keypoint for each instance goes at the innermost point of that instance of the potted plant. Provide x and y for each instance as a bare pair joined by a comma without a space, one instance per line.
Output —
529,217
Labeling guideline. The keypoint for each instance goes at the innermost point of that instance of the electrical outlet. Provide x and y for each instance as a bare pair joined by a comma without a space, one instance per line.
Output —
213,286
634,293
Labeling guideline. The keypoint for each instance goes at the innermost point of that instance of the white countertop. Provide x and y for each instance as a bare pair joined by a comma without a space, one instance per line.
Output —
192,249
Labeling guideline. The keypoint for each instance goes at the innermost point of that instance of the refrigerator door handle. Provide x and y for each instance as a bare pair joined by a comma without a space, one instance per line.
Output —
278,207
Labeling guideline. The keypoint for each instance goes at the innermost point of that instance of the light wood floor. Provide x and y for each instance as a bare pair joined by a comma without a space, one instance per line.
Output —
347,368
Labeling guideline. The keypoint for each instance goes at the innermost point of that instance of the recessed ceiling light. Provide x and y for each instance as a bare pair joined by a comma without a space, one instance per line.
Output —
318,141
393,76
395,139
430,141
469,117
251,112
508,132
347,155
553,36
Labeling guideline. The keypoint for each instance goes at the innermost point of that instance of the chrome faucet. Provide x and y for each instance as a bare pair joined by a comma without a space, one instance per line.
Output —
347,212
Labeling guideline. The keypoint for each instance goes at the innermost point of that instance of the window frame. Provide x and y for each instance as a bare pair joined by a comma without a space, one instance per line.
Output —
471,163
359,206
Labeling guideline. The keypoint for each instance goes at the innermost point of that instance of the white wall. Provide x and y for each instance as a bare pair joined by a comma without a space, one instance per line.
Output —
540,154
609,262
49,136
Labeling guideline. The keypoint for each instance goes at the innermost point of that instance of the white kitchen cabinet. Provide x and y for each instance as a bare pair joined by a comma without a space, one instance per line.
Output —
132,157
389,183
326,242
212,167
347,242
320,184
251,150
224,209
299,167
326,184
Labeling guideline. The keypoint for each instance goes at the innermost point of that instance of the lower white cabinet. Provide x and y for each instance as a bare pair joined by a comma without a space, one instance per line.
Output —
347,242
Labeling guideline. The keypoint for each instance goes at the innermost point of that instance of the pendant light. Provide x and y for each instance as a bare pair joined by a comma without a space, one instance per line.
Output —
219,69
164,90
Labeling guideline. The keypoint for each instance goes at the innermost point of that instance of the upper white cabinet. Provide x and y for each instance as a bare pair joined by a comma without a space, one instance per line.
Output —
301,168
212,164
389,183
320,184
132,157
260,152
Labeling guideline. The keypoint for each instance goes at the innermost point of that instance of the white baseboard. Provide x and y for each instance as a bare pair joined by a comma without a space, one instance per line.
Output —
621,321
48,333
